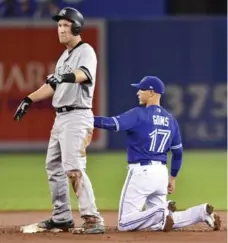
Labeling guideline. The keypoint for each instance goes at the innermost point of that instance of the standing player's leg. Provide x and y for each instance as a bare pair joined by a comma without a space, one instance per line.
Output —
141,182
58,182
74,140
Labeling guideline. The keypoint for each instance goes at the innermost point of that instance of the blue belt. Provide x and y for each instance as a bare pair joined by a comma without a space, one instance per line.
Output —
145,163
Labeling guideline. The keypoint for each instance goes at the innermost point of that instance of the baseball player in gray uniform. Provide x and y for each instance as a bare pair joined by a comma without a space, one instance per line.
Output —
72,88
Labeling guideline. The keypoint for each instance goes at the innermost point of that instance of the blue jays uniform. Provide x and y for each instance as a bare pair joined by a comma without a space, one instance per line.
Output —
151,132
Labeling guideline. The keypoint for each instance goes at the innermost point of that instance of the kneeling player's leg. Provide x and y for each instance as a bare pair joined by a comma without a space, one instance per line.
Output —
159,198
160,195
140,183
197,214
155,199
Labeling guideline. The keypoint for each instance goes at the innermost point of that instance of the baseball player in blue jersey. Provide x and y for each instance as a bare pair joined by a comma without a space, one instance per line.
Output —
152,132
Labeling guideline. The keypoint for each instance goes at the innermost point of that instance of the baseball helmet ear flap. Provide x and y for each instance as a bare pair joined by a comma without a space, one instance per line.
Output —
75,29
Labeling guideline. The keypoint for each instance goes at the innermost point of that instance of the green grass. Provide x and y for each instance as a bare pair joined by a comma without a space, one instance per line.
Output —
24,184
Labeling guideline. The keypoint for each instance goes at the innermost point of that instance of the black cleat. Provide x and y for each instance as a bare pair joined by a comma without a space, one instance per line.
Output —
50,225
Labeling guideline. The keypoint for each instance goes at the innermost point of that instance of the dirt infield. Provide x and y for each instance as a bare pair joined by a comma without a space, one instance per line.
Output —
10,222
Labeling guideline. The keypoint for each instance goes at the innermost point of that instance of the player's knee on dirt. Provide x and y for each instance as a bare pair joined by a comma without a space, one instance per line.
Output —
120,226
75,178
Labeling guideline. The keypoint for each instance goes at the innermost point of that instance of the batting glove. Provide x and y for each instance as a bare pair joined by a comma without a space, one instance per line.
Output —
53,80
22,108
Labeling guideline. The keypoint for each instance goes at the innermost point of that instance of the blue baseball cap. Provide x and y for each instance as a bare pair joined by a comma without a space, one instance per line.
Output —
151,83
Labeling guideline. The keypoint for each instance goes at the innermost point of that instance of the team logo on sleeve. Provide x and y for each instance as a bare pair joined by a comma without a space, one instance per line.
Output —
64,69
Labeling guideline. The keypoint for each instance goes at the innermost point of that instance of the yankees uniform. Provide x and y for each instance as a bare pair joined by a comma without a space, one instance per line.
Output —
71,133
151,132
73,128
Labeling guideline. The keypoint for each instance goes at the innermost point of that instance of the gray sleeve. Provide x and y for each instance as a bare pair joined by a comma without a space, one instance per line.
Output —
88,63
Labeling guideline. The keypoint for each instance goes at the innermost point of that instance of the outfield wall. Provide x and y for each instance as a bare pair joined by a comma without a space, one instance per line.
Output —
188,54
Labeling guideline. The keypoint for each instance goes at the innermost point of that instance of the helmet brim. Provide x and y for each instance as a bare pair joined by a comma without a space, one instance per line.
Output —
59,17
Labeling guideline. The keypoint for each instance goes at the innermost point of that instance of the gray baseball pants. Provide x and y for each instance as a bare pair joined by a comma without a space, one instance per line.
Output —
70,135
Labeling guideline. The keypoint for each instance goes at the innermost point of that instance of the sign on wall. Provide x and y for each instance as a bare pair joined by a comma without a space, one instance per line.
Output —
30,56
201,110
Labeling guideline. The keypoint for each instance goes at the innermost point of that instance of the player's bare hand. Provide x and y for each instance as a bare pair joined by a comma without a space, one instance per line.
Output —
171,185
22,108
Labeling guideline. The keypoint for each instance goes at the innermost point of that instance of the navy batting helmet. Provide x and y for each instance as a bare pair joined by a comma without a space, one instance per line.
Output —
72,15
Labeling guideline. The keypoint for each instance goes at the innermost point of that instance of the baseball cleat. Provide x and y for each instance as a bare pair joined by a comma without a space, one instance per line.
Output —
212,219
96,229
168,224
50,225
91,225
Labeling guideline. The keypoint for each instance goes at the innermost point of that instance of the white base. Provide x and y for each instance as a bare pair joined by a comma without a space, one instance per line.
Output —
33,228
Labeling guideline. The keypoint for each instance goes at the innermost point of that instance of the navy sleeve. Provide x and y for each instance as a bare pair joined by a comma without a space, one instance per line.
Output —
127,120
176,140
106,123
122,122
177,151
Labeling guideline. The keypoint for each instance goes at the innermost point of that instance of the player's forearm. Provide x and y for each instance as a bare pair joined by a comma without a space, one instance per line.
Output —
44,92
172,178
78,76
176,161
106,123
82,76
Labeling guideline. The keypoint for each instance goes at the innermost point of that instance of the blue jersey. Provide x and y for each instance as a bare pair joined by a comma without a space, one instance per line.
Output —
151,133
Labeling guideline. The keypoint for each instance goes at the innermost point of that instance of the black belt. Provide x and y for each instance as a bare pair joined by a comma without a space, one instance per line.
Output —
70,108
